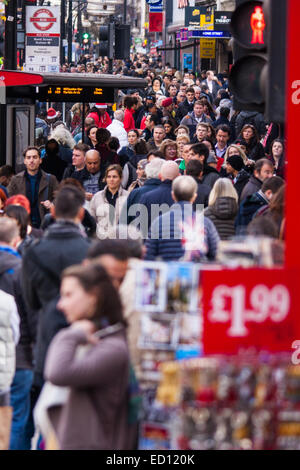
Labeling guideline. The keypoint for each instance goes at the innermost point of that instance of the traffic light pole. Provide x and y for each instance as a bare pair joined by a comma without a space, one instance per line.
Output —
10,49
70,33
62,30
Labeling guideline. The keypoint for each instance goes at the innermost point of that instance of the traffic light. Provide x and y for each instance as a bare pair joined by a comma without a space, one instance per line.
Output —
257,77
122,41
249,30
86,38
107,41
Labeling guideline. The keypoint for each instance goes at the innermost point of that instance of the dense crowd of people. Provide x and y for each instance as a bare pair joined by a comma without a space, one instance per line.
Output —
145,168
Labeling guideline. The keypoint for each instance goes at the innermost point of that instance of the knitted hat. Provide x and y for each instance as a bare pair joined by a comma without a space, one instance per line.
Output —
52,114
101,105
236,162
167,102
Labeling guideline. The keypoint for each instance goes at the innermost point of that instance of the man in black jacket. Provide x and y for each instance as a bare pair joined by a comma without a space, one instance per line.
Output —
235,168
263,169
195,169
63,245
187,106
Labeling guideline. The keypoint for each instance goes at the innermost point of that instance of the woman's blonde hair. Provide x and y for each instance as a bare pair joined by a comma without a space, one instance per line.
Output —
223,187
184,138
239,151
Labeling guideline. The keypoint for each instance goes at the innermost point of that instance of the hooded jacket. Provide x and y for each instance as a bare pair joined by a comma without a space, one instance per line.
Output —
222,213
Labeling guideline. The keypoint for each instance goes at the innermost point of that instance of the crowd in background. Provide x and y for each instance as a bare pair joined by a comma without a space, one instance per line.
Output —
180,143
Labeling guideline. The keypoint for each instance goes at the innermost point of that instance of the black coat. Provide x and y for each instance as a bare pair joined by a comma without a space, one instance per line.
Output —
222,213
241,181
183,109
202,194
63,245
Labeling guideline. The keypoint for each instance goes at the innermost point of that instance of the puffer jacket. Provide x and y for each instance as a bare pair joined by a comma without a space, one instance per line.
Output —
222,213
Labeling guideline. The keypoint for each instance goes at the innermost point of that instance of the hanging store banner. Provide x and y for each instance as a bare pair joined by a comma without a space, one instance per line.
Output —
207,48
222,20
192,18
207,22
42,39
155,22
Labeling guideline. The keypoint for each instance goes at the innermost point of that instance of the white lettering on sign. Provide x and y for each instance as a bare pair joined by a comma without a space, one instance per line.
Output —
265,303
296,94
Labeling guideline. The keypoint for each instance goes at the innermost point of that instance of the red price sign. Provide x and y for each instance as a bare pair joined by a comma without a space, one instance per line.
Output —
250,310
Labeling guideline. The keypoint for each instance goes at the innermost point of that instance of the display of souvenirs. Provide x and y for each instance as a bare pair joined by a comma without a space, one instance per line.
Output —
158,331
231,403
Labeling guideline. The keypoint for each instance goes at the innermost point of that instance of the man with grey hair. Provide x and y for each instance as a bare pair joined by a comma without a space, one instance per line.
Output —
170,232
152,171
116,128
161,196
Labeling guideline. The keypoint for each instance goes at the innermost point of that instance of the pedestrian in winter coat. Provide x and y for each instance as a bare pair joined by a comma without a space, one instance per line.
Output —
252,203
128,151
169,232
222,207
235,168
195,169
39,187
96,412
106,205
22,357
263,169
277,157
63,244
163,194
250,139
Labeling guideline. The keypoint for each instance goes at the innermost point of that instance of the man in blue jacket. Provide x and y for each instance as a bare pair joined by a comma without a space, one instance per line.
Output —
175,234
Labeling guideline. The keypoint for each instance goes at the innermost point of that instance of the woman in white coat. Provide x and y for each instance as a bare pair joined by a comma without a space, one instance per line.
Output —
106,205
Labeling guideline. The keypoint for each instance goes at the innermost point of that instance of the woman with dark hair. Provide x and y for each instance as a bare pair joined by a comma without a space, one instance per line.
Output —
130,105
250,139
141,175
156,85
211,133
91,358
106,205
127,152
277,157
108,157
169,129
91,135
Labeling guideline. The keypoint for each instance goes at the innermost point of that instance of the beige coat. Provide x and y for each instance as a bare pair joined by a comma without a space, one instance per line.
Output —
99,209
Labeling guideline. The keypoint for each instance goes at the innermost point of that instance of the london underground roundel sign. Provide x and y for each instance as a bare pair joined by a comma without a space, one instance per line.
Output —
43,19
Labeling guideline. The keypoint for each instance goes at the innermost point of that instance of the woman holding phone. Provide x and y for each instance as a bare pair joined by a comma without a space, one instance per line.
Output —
90,358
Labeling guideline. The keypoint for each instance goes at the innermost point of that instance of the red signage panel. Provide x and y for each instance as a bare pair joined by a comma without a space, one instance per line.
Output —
247,308
155,22
10,78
